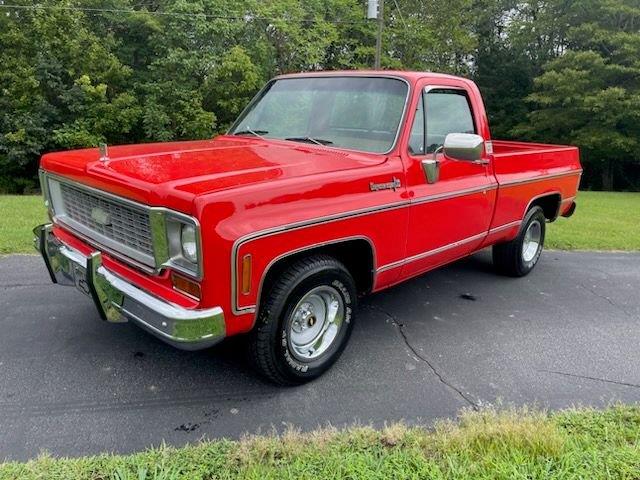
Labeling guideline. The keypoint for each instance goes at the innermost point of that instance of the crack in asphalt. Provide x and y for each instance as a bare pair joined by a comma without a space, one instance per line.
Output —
23,285
80,406
604,297
400,328
587,377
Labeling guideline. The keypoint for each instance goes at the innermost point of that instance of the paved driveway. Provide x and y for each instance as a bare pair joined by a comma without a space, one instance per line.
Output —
461,336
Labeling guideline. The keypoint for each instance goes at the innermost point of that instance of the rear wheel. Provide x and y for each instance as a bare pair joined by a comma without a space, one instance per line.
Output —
518,257
305,321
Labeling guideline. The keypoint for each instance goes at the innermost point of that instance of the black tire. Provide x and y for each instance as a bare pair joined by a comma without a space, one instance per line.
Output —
271,346
509,258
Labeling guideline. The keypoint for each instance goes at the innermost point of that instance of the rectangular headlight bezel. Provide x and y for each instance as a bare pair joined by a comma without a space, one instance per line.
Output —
166,226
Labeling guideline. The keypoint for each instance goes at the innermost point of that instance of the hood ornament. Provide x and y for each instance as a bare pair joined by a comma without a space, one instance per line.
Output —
104,152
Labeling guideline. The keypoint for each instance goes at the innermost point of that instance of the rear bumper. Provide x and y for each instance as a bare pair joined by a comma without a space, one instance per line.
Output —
569,211
117,300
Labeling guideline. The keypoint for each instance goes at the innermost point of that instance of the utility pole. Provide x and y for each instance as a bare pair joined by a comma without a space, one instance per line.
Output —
376,10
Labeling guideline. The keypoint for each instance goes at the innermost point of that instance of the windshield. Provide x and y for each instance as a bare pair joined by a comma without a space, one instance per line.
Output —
359,113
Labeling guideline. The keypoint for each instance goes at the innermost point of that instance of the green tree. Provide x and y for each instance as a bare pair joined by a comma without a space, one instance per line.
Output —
502,72
515,39
232,85
427,36
296,33
54,73
590,95
74,73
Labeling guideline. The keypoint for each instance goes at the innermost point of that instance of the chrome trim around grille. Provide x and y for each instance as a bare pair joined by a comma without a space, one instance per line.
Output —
125,225
126,229
158,226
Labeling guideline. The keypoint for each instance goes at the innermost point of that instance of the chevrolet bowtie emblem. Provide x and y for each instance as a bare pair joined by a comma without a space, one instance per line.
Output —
100,216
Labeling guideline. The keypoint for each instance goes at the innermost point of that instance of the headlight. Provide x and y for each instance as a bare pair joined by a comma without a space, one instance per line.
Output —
189,243
176,241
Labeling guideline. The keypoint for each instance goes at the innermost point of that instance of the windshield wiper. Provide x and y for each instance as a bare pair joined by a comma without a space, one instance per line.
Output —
317,141
247,130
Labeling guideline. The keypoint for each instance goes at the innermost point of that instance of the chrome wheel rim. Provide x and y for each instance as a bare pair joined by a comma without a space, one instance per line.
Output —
532,241
315,322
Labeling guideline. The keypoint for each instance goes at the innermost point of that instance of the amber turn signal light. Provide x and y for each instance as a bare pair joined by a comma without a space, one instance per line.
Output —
246,274
185,285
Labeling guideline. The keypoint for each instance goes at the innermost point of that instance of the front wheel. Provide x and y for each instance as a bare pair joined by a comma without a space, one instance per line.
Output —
305,321
518,257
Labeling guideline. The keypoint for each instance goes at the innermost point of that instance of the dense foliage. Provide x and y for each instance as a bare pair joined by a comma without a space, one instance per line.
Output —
75,73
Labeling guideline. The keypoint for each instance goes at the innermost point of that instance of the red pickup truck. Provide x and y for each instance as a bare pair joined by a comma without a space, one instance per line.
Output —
329,186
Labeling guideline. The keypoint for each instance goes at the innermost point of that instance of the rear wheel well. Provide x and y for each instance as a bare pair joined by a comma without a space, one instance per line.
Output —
550,205
355,254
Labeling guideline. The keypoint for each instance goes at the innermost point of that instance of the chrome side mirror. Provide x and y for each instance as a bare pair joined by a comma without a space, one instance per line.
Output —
464,146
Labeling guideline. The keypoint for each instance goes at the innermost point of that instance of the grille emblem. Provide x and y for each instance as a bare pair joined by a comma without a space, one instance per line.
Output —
100,216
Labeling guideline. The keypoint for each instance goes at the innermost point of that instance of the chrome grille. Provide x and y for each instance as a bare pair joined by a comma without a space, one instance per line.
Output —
123,224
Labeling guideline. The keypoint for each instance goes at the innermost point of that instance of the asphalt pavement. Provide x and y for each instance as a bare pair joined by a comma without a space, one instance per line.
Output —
567,334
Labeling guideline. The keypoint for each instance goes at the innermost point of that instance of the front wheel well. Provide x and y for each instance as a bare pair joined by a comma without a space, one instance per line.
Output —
357,255
550,205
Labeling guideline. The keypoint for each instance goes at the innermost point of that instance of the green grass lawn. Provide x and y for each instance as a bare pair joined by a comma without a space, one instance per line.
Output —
18,216
603,221
574,444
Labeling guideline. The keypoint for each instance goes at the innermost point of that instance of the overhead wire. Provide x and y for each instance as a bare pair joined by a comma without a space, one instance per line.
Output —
400,14
236,17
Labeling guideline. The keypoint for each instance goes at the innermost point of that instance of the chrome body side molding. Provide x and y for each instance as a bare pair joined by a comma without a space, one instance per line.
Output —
434,251
506,226
539,178
458,193
294,226
370,210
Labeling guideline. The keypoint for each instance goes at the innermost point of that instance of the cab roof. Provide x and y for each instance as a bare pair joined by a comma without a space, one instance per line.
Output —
411,77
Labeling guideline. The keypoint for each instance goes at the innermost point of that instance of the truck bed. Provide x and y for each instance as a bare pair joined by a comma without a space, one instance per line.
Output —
527,171
519,161
507,147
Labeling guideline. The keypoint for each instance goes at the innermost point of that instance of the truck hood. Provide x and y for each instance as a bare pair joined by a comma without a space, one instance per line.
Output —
151,173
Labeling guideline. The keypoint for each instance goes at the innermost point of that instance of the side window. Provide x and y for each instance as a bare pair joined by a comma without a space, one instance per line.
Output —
448,111
416,141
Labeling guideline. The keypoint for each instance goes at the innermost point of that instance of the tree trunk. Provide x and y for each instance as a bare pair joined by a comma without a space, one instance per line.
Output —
607,176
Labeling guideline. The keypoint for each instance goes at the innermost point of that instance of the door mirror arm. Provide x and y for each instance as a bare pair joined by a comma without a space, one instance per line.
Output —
437,151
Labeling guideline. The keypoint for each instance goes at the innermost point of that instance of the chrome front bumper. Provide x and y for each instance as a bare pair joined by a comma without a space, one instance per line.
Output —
119,301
